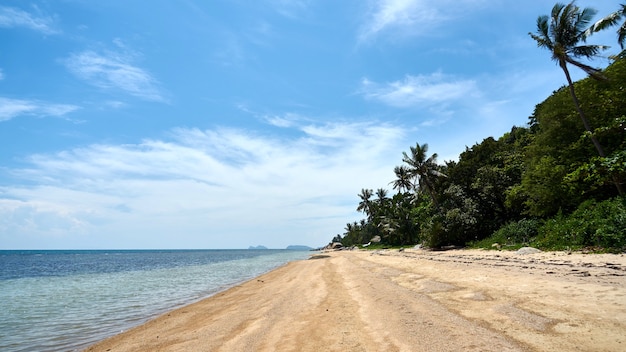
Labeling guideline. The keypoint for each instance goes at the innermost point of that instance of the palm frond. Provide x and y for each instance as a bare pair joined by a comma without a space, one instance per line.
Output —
438,173
606,22
542,42
591,71
621,32
583,18
587,51
610,21
559,22
543,28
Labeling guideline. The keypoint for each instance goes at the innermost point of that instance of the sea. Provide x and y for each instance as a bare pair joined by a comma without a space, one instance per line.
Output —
66,300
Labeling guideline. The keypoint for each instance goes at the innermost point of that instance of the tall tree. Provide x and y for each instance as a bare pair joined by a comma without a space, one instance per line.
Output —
562,34
423,168
381,193
611,20
403,179
365,203
380,206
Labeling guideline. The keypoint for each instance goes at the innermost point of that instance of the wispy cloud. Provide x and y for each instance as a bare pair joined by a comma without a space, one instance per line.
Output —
410,17
284,121
11,108
11,17
1,75
388,14
113,70
220,183
421,90
290,8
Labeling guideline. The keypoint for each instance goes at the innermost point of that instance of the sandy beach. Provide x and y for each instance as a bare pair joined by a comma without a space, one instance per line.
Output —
412,300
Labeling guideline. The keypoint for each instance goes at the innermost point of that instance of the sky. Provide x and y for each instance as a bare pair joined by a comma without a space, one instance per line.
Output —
128,124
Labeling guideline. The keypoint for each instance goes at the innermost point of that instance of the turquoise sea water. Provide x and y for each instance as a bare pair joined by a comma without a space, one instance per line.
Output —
67,300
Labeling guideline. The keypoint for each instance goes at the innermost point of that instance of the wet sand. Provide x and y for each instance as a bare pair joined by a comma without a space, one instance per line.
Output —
414,300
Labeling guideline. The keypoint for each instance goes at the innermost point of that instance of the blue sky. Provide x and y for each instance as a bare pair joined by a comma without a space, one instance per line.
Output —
224,124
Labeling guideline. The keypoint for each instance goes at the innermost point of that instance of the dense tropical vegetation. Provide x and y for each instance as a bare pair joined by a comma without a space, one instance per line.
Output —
556,183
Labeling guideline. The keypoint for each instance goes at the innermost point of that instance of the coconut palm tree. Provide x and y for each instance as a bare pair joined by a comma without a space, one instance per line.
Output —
381,205
403,179
564,33
423,169
365,204
381,193
610,21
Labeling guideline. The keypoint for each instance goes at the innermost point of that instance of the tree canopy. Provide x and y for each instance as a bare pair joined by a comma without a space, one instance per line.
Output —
543,184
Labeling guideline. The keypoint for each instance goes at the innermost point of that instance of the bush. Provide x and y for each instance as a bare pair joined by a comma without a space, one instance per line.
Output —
514,234
519,232
593,224
433,233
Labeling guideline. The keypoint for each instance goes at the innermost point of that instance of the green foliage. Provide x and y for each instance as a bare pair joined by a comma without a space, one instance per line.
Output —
459,218
562,168
543,185
434,233
593,224
512,235
547,193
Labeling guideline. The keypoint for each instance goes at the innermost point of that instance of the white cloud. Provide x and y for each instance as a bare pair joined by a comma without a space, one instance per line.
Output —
411,17
284,121
421,90
11,108
398,13
39,217
1,75
11,17
231,185
113,70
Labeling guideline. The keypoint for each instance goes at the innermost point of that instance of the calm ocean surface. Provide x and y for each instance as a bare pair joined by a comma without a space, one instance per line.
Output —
67,300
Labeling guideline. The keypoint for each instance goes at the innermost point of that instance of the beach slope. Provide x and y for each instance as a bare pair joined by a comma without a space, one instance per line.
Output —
412,300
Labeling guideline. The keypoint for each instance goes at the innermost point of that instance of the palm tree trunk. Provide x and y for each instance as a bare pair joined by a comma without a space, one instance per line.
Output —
580,111
431,191
595,141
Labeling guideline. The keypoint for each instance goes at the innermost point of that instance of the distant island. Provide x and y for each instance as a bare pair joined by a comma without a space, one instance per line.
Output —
290,247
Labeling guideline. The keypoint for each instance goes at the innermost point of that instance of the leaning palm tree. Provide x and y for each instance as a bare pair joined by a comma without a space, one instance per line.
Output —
423,169
562,34
611,20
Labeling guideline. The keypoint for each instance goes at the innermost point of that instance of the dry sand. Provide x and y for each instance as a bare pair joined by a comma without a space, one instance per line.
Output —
414,300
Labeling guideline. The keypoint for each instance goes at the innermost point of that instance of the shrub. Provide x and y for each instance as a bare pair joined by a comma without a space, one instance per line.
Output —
514,234
595,224
518,232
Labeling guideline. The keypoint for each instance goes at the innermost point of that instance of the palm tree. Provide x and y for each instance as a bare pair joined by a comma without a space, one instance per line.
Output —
365,204
423,169
610,21
562,33
403,179
381,193
381,205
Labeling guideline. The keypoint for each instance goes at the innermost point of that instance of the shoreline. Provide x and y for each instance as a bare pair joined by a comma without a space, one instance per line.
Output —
396,301
155,314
